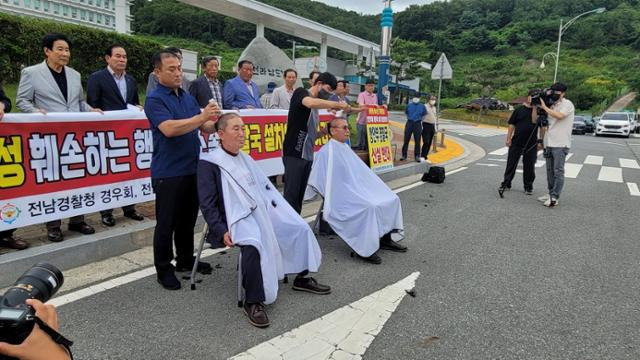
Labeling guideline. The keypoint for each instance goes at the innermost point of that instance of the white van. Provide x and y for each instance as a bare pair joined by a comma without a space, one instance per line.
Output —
614,123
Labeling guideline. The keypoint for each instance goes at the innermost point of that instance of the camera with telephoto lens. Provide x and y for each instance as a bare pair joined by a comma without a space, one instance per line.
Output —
16,317
537,98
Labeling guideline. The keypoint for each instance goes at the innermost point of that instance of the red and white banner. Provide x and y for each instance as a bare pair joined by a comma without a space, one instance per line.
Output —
60,165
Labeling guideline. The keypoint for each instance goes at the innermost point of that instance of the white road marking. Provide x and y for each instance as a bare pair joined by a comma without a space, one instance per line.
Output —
611,174
109,284
633,189
500,160
629,163
500,152
488,165
540,163
456,170
568,157
593,160
519,171
345,333
572,170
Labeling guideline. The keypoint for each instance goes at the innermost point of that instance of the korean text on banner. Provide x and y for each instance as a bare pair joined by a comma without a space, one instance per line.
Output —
379,138
60,165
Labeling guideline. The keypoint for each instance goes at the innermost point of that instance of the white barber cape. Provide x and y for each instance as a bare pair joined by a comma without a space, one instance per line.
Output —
259,216
357,204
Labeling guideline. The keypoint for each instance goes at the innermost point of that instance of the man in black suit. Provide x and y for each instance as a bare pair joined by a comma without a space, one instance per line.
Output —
113,89
207,86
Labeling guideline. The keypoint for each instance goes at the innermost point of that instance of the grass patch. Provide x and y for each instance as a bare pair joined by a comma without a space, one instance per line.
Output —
495,118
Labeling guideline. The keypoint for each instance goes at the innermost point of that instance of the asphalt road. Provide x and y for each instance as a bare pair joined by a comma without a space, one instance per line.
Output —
500,278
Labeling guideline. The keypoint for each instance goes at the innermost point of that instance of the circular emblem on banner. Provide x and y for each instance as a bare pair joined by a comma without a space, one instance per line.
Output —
9,213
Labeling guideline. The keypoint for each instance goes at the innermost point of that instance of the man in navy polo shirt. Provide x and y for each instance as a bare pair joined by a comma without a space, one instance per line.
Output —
175,117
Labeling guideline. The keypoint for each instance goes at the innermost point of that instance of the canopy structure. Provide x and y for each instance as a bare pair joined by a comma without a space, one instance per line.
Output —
263,15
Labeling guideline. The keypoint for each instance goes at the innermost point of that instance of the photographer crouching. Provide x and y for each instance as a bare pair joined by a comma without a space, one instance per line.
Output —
522,140
557,140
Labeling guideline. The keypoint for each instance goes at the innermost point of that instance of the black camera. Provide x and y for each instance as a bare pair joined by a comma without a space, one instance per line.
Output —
547,97
16,317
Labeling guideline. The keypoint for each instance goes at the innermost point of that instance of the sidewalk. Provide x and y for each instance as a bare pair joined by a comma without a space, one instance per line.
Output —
448,152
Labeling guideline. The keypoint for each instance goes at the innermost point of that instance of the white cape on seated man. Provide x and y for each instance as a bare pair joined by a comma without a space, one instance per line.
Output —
359,206
243,208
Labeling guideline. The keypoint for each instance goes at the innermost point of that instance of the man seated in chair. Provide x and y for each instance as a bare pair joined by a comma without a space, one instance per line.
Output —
243,208
359,206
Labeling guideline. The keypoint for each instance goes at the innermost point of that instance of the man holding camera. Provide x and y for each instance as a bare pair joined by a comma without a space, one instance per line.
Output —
557,141
522,140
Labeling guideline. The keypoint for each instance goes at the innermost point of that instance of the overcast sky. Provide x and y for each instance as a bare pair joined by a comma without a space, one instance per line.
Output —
372,6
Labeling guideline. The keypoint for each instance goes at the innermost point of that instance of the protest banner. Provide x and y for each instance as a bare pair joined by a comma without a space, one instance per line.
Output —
379,138
60,165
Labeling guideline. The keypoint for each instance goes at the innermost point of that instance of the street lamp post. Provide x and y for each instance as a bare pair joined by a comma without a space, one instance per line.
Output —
564,28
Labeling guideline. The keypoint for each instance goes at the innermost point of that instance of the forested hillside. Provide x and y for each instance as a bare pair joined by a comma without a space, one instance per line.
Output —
495,46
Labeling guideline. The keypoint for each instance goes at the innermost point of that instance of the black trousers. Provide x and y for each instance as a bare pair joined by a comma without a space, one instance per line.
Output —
176,213
528,165
296,174
428,132
412,128
125,209
55,224
251,275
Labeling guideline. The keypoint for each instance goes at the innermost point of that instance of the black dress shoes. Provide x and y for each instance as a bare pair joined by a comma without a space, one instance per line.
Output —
82,227
134,215
388,244
373,259
13,243
256,314
310,284
108,220
169,281
55,235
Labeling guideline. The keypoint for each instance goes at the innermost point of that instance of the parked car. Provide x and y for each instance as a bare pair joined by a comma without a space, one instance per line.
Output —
579,126
614,123
588,122
485,104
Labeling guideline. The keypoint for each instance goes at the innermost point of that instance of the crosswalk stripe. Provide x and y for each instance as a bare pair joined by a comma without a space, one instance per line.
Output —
633,189
568,157
593,160
501,151
540,163
500,160
572,170
629,163
612,174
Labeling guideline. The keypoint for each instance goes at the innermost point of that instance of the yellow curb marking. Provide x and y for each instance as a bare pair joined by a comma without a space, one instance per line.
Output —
450,151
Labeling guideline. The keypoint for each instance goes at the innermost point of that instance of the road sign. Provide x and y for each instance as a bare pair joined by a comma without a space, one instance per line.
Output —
442,70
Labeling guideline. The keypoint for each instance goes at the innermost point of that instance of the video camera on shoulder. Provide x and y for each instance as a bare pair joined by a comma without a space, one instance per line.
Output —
17,318
538,97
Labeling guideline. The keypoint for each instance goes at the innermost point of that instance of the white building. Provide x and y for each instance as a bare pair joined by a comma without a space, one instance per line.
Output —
100,14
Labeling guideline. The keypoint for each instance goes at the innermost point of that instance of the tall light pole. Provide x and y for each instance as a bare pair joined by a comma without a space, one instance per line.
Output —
564,28
386,23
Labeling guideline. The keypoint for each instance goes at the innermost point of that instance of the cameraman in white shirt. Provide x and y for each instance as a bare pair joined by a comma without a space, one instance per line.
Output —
557,141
